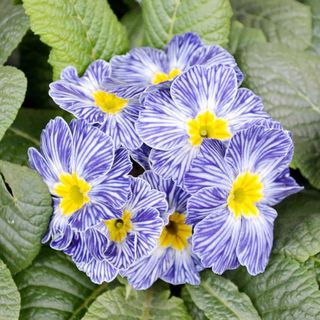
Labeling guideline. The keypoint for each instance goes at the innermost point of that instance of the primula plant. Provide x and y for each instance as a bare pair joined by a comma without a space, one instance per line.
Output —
160,159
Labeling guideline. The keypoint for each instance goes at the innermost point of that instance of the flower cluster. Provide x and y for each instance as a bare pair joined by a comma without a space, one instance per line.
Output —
215,163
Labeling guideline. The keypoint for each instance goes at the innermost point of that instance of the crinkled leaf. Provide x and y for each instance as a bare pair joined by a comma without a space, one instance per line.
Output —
153,303
241,36
283,21
289,84
297,231
219,298
194,311
79,31
286,290
315,10
134,25
165,18
9,295
13,26
25,132
13,85
52,288
25,209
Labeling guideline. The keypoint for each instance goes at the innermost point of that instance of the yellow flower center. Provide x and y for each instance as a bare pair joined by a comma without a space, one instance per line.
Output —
207,125
246,191
162,77
176,232
118,228
74,192
109,102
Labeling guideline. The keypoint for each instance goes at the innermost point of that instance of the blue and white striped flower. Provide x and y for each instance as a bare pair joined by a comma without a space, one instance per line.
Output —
172,260
88,98
85,176
234,189
129,234
141,156
202,103
142,68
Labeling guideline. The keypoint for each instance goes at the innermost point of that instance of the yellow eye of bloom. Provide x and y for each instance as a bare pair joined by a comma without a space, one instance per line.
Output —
176,233
74,192
207,125
162,77
109,102
118,228
246,191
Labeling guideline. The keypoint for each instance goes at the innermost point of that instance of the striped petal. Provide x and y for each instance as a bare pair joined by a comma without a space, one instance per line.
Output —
209,168
114,187
173,164
143,273
215,240
260,150
97,241
204,202
143,197
141,156
56,141
184,269
78,249
255,241
162,124
96,74
180,50
202,88
89,148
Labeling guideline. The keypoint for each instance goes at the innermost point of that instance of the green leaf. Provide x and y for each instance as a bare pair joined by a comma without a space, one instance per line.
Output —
283,21
314,264
286,290
241,37
165,18
53,288
79,31
297,231
25,133
194,311
13,85
315,10
220,299
133,23
9,295
25,209
289,84
153,303
13,26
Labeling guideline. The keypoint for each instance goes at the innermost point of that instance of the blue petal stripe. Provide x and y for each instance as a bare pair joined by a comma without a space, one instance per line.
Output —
89,148
141,156
215,240
97,242
255,241
209,169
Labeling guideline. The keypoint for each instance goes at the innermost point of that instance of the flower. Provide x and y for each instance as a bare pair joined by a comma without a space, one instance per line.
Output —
233,191
127,234
142,68
202,103
141,156
89,99
85,176
172,260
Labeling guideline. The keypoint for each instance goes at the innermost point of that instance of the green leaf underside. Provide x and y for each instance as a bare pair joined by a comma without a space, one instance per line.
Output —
165,18
25,210
194,311
152,304
315,10
134,26
79,31
52,288
219,298
9,295
297,231
25,132
13,26
289,83
283,21
13,85
241,37
286,290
